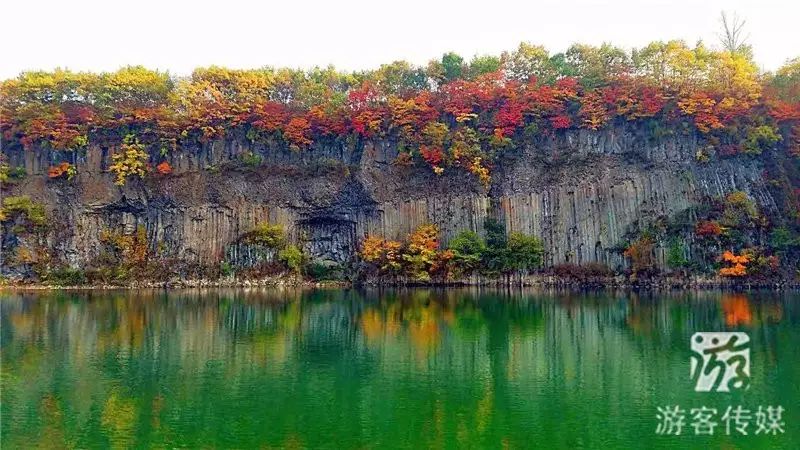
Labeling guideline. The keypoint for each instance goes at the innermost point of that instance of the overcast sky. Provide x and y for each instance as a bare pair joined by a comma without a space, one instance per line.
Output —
179,35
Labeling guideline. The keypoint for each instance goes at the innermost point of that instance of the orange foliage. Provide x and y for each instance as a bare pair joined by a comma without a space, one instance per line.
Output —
297,132
164,168
641,255
593,113
700,106
738,266
381,252
64,168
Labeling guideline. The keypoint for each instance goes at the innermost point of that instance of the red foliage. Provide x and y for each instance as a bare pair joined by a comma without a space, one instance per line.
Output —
509,117
560,122
431,155
650,103
269,116
297,132
708,228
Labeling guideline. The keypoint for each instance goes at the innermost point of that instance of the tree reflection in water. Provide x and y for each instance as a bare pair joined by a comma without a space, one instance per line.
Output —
348,368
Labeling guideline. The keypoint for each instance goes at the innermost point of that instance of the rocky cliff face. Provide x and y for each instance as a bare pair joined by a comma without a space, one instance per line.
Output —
580,192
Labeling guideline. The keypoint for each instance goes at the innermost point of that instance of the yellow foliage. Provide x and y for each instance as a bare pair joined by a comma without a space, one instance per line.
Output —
384,253
132,247
480,171
435,134
130,161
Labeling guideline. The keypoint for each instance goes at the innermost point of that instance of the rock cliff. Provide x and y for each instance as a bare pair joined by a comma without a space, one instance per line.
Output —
581,192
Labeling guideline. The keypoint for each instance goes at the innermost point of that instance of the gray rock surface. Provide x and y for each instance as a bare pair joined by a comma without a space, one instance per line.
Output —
581,192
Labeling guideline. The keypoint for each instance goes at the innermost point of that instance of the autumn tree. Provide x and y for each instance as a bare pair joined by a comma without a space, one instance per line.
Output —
528,62
420,252
640,254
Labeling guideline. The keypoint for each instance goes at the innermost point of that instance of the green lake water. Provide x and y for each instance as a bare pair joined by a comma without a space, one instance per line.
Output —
391,369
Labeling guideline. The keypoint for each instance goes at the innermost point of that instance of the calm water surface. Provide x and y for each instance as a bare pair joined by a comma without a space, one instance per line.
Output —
407,369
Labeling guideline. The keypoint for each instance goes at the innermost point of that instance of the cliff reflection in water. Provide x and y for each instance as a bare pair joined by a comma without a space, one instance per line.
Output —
417,368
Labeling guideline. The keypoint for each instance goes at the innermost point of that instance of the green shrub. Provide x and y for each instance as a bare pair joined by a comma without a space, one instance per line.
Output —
524,252
517,252
320,270
226,269
760,138
495,256
66,276
468,249
675,255
10,175
293,258
12,206
783,239
271,236
251,159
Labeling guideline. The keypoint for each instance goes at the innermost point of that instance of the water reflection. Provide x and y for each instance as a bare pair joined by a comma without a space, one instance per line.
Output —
343,368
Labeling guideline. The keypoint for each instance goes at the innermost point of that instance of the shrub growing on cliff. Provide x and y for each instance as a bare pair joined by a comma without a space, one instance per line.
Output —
737,264
125,256
784,240
676,257
250,159
164,168
293,257
15,206
495,258
708,229
739,210
760,138
131,160
66,276
270,236
9,175
64,169
640,254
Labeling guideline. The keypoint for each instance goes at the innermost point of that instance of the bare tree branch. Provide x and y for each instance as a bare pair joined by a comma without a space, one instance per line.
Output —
732,35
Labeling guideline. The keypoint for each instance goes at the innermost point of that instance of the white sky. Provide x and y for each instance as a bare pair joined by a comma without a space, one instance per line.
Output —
179,35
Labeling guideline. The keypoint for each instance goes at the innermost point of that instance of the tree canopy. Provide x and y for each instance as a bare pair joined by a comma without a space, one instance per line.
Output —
451,114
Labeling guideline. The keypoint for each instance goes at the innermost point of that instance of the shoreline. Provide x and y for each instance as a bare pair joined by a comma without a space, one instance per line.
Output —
536,281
